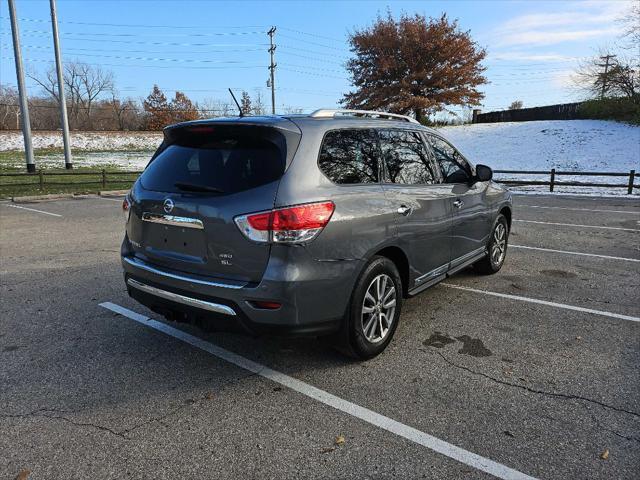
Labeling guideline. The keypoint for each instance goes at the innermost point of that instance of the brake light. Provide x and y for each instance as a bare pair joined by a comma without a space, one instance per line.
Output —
296,224
126,208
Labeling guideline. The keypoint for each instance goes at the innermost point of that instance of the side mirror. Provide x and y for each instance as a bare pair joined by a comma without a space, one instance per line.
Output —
483,173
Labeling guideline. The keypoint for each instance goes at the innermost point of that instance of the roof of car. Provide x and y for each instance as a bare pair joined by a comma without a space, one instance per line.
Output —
305,120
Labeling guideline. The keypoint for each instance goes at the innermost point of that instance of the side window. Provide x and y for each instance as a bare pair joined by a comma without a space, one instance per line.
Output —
406,158
454,167
350,156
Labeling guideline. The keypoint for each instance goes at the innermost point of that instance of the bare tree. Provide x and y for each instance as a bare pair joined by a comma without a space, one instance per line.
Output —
516,105
619,77
258,104
631,24
9,109
84,84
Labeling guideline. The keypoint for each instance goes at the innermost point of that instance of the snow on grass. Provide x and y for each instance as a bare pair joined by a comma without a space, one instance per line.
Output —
566,145
91,141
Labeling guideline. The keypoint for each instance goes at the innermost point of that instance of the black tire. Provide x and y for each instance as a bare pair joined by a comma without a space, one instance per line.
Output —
496,255
353,336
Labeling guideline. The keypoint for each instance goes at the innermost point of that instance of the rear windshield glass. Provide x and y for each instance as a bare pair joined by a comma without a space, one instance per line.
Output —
217,160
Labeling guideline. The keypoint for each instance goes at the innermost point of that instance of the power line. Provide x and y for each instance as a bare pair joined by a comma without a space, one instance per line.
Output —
148,66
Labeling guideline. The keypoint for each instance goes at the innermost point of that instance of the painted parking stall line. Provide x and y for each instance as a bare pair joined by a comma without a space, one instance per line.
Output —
544,302
34,210
578,209
565,252
582,226
421,438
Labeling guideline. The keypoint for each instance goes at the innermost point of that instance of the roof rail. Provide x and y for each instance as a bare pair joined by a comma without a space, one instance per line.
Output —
332,113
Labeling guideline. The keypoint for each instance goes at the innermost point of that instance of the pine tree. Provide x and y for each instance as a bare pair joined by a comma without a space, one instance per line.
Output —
245,103
183,109
158,114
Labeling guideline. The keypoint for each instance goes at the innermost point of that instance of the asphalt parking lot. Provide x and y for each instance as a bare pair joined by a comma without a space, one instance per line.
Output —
530,372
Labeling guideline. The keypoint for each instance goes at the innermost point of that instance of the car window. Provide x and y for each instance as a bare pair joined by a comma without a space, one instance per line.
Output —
406,158
231,160
454,167
350,156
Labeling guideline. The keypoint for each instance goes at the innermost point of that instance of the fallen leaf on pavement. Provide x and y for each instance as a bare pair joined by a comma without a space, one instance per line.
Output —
210,396
327,449
340,440
23,475
605,455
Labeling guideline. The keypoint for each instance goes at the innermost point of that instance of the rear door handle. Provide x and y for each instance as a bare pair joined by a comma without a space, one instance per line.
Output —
404,210
458,203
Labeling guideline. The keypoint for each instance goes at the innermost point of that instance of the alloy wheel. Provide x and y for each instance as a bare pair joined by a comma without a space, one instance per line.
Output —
378,308
499,244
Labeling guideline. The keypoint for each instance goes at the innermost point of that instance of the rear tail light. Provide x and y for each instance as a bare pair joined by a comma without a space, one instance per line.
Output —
126,208
296,224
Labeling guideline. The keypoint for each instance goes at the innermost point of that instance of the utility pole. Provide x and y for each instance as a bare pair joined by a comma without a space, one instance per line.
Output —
272,68
61,100
22,90
606,59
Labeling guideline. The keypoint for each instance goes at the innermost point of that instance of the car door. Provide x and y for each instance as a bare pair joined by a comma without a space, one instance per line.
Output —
423,206
471,215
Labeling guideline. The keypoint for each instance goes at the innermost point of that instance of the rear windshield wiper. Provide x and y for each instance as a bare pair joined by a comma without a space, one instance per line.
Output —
193,187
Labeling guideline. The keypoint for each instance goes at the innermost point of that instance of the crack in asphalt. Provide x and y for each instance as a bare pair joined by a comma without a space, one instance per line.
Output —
540,392
44,413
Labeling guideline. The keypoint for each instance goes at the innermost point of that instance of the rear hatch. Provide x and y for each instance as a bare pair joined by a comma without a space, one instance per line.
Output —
204,175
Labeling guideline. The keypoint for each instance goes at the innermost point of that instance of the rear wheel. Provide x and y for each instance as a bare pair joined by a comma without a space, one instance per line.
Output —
374,309
497,248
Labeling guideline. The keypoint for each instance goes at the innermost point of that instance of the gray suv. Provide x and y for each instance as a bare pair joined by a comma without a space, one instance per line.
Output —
313,224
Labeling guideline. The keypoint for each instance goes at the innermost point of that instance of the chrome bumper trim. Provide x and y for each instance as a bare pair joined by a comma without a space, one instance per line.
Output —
143,266
174,297
184,222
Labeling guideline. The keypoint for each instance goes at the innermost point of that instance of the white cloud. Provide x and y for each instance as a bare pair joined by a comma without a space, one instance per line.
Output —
532,57
578,21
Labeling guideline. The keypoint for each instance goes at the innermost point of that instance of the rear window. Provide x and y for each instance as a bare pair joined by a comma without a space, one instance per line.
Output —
219,160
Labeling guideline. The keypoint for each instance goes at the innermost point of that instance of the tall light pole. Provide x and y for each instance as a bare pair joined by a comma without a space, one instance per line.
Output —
61,100
22,89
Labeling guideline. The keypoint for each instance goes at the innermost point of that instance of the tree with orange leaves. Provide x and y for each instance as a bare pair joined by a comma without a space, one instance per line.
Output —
414,65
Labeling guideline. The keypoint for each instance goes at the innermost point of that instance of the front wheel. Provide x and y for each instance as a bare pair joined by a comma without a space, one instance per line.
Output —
497,248
374,309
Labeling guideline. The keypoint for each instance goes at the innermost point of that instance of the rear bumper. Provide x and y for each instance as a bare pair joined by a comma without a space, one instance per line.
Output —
314,295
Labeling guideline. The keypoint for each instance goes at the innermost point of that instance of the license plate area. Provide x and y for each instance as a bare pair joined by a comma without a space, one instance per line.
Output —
181,243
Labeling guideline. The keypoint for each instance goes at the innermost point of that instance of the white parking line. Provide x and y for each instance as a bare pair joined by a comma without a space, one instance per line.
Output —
544,302
577,225
579,209
119,200
608,257
33,210
369,416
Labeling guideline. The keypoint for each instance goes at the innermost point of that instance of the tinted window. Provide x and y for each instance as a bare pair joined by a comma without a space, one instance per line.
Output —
350,156
406,158
230,161
453,166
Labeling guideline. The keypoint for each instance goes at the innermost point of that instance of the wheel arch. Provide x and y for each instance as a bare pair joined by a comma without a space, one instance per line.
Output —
506,211
401,261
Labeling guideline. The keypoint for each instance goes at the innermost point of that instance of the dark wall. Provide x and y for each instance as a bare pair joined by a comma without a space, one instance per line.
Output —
565,111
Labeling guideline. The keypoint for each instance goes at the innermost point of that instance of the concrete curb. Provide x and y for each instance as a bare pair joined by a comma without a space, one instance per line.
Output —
113,193
41,198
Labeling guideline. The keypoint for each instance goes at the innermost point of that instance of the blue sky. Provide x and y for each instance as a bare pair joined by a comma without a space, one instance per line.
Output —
203,47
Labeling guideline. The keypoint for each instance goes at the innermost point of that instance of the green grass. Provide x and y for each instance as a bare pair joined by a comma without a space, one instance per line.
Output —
56,179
